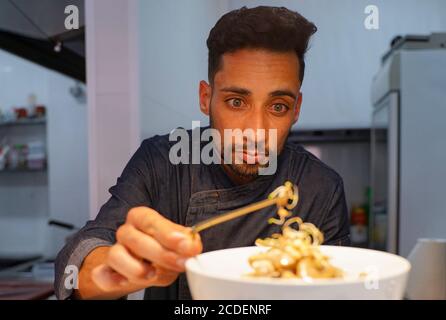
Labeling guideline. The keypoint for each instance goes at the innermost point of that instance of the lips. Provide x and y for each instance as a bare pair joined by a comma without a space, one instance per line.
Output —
246,154
253,157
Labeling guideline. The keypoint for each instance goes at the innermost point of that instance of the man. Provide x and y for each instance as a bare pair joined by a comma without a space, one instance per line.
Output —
141,238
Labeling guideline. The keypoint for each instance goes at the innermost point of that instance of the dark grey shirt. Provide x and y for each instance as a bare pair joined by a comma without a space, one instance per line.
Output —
189,193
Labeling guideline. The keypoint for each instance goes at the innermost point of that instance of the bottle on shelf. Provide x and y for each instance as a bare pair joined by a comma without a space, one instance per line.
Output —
4,150
358,227
36,155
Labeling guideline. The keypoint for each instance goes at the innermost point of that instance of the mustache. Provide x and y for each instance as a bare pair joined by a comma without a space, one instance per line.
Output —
251,149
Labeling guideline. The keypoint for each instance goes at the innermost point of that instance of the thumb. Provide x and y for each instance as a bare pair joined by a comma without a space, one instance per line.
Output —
106,279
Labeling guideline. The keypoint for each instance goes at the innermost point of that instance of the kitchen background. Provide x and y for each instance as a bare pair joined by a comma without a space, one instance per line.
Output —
75,104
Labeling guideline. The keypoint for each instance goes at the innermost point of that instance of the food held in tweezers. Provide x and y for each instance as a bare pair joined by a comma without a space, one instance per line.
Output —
294,253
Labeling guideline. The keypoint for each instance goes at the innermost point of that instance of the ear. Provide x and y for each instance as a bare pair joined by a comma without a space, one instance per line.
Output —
205,93
297,108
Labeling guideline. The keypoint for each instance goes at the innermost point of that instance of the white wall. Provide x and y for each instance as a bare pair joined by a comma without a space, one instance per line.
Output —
24,204
342,60
344,56
29,199
113,109
67,158
173,59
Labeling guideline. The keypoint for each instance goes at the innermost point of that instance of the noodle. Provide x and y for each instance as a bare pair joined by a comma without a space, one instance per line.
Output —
294,253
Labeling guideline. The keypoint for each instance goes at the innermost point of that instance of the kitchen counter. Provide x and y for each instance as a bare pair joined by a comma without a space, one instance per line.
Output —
25,289
32,280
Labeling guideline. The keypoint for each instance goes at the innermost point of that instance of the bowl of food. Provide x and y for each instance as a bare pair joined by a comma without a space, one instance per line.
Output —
293,265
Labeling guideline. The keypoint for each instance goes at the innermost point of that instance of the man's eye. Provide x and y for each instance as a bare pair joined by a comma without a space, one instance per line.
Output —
234,102
279,108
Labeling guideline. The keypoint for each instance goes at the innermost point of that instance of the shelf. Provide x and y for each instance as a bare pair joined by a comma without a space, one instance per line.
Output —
22,170
330,136
21,122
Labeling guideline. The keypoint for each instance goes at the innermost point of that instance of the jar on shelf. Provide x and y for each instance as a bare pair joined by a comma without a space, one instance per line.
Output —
22,155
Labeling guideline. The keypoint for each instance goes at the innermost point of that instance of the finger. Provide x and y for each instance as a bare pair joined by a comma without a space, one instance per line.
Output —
136,271
171,235
164,277
145,246
106,279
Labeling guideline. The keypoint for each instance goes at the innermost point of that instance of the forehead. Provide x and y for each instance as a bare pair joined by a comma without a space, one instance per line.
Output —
258,67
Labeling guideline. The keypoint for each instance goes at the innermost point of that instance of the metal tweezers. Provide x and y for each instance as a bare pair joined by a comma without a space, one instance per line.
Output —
285,196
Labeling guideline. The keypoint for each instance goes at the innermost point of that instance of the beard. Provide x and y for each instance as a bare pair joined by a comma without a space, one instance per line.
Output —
246,170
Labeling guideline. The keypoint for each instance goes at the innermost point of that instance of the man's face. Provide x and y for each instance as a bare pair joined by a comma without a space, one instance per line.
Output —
254,89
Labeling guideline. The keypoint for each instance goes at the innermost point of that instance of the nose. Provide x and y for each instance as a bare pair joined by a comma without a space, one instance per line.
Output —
256,119
256,122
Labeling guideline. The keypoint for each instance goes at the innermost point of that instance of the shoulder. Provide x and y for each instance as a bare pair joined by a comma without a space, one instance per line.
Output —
313,168
160,147
157,147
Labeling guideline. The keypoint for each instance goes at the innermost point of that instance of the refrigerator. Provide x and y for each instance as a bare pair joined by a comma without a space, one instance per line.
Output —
408,145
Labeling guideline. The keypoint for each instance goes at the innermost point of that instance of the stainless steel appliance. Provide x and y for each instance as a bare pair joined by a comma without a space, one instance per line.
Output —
408,149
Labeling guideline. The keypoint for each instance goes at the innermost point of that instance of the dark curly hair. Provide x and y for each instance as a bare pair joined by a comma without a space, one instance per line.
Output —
272,28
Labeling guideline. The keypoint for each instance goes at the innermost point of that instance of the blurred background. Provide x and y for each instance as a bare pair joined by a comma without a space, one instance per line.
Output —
77,99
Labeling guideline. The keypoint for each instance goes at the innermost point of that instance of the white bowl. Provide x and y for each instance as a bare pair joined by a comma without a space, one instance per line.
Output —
222,274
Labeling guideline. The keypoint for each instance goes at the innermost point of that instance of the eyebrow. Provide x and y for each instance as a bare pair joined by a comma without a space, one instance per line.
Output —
238,90
279,93
246,92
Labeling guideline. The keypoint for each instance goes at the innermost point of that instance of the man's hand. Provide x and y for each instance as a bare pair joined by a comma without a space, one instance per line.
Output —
150,251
